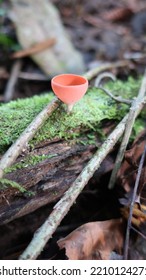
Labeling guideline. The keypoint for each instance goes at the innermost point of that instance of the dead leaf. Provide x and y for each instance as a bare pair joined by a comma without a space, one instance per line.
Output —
39,47
94,241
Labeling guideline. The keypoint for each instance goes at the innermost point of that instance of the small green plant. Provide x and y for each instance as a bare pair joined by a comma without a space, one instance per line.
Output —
5,184
28,161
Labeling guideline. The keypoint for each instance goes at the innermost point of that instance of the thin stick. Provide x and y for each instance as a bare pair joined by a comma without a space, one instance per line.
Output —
97,83
32,76
140,233
102,76
14,151
116,98
44,233
12,80
93,72
130,122
41,46
126,247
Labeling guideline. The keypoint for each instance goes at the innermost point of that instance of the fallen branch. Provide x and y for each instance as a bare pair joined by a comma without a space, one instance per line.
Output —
113,78
102,24
102,76
129,125
116,98
32,76
12,81
93,72
140,233
35,49
44,233
14,151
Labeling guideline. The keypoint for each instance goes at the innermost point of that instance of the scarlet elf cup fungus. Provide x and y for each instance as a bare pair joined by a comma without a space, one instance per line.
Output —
69,88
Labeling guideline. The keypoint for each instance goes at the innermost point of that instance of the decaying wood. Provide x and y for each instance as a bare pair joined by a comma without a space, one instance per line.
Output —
48,179
30,131
44,233
53,170
13,152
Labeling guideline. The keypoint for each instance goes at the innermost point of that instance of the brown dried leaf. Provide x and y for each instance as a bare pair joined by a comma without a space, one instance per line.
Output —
39,47
95,240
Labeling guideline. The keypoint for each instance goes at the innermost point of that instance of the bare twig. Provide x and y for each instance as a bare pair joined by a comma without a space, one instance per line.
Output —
102,24
130,122
134,55
102,76
89,75
13,152
44,233
132,204
12,80
140,233
113,78
35,49
32,76
93,72
116,98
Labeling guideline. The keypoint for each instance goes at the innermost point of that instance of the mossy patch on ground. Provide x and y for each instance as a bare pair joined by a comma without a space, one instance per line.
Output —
88,113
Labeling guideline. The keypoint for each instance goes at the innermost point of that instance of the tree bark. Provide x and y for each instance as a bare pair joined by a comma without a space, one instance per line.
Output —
47,180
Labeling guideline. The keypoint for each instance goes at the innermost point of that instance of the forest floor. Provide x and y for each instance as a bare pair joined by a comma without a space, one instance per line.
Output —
103,31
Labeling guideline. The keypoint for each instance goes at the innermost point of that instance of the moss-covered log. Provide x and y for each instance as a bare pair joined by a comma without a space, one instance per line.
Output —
59,150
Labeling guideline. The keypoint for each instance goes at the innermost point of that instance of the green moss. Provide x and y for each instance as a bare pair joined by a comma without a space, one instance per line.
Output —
17,115
88,113
28,161
139,125
125,89
5,184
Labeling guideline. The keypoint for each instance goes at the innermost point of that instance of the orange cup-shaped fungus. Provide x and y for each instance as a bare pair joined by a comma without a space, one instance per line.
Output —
69,88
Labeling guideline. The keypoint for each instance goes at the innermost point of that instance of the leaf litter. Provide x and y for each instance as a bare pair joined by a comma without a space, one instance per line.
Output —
95,240
101,240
